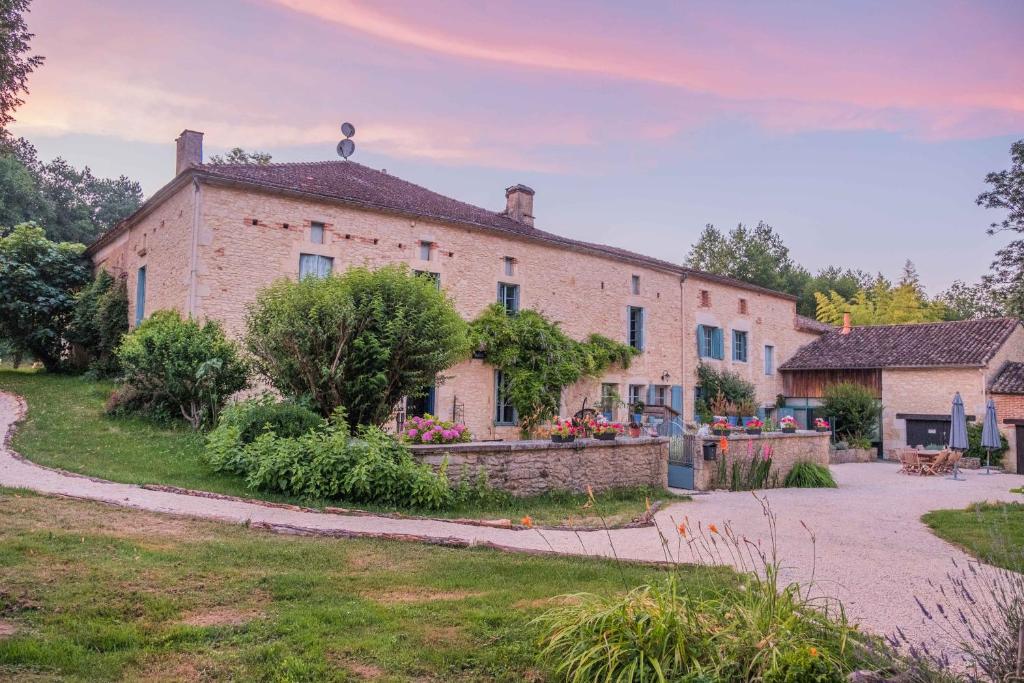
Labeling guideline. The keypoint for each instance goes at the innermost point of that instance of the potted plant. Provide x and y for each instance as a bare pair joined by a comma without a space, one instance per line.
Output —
822,425
563,431
605,431
720,427
635,430
788,424
637,409
754,426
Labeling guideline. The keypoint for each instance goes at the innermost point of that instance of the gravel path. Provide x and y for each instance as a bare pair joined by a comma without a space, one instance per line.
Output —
871,548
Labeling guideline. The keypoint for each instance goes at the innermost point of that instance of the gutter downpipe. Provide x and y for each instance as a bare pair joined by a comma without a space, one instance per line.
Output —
193,287
682,349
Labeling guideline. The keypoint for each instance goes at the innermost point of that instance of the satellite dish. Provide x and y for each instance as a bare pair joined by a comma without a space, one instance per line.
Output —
347,129
345,148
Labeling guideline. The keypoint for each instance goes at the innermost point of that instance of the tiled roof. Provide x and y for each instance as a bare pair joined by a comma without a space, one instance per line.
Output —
965,343
802,322
360,185
1010,379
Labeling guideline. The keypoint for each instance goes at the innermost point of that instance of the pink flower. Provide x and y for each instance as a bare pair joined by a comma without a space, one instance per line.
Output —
427,436
413,433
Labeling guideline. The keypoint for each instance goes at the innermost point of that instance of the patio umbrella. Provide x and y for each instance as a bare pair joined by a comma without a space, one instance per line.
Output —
990,434
957,431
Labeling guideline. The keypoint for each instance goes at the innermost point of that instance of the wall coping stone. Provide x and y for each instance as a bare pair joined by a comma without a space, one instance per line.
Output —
533,445
799,434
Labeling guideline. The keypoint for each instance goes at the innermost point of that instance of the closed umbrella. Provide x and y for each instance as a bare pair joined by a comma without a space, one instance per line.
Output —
990,434
957,432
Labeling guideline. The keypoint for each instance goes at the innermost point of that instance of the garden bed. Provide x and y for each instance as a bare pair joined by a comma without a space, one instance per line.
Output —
787,449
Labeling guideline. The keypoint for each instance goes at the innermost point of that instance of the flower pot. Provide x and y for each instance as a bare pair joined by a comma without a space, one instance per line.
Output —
753,430
635,432
822,429
789,430
720,432
607,436
558,438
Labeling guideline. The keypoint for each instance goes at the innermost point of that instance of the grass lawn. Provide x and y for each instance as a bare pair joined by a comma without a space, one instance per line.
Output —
90,592
992,532
67,428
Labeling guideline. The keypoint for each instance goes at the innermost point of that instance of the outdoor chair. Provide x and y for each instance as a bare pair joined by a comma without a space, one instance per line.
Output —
952,460
935,466
910,461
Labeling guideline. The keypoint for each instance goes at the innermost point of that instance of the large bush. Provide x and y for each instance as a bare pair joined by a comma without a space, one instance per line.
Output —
975,449
38,282
854,408
359,341
539,360
726,387
329,463
191,366
255,416
99,322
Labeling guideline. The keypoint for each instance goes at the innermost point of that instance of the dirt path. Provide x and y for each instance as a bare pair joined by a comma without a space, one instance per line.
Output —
871,548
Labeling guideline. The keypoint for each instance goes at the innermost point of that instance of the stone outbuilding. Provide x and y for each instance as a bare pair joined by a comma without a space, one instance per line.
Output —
915,370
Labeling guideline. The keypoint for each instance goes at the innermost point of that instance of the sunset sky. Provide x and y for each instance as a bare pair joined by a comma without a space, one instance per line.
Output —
861,130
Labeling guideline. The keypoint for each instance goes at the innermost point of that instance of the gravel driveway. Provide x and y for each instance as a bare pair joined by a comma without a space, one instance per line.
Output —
871,549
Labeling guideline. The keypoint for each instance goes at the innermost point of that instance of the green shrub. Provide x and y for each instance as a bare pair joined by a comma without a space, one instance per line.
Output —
99,322
854,409
329,463
254,416
726,387
975,449
193,368
359,341
809,475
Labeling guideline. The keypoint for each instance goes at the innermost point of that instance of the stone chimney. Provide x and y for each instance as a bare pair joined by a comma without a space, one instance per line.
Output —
846,323
519,204
190,150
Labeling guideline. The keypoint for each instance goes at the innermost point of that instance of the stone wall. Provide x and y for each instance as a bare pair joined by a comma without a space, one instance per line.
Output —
838,457
787,449
526,468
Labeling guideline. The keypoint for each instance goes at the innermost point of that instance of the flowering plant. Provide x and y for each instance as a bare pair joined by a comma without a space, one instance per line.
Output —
719,425
788,422
821,423
563,428
602,426
754,423
430,430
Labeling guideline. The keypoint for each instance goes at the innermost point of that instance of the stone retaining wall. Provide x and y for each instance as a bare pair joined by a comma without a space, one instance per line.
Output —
787,449
526,468
838,457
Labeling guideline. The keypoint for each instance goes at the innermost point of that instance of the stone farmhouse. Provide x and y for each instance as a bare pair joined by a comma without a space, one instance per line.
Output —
915,370
212,237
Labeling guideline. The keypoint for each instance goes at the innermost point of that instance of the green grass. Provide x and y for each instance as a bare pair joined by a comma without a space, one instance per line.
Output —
992,532
67,428
96,593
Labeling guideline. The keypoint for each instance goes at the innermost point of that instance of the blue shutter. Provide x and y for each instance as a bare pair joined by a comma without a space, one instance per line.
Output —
650,395
701,351
718,343
140,295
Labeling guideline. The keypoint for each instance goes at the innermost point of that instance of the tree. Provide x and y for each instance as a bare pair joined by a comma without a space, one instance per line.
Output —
969,302
191,366
360,341
39,279
845,282
539,361
83,205
854,408
880,304
757,256
1007,192
21,199
15,62
239,156
99,322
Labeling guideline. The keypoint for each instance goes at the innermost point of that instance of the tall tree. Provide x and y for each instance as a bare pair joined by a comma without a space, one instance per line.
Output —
969,302
15,62
21,199
1006,193
880,304
238,155
758,256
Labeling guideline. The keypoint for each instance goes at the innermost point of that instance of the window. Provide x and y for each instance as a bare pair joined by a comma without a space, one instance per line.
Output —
635,334
510,266
425,249
140,295
316,232
508,296
609,396
636,284
421,405
705,298
436,277
504,413
315,265
743,306
769,360
739,346
635,391
659,395
710,343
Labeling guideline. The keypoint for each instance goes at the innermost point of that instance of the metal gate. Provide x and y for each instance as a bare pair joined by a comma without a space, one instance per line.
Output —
680,461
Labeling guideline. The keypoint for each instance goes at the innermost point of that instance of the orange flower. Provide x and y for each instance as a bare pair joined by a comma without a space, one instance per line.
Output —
527,521
723,445
713,528
590,492
813,651
682,529
647,503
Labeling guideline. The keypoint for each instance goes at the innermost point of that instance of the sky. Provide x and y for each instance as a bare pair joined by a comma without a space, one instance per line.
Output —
861,130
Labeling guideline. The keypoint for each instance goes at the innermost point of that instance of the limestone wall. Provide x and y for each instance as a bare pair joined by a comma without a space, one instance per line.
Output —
787,449
526,468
